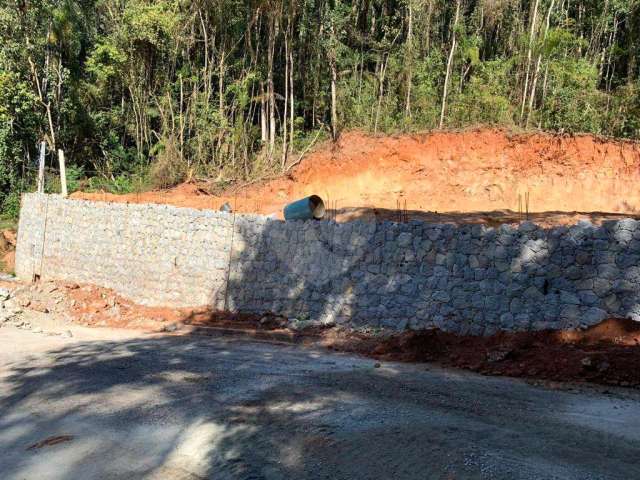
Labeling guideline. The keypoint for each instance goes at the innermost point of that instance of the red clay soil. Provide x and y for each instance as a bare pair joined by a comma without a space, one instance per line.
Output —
478,176
95,306
608,353
7,251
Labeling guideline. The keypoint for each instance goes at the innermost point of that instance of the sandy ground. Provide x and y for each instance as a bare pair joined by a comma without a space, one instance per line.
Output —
107,404
476,176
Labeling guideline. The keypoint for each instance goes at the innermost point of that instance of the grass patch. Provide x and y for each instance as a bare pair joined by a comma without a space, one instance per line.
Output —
8,223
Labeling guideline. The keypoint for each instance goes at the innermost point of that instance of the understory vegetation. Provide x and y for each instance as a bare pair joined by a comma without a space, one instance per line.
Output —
149,93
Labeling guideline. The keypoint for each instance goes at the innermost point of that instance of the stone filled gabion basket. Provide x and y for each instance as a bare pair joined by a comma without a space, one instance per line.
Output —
468,279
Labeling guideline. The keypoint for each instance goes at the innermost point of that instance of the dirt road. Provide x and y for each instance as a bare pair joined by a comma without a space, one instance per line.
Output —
110,404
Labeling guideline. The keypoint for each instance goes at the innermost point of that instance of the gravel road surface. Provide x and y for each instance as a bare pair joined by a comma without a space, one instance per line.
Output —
109,404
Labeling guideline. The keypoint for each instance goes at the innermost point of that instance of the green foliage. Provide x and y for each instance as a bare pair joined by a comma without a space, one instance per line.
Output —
486,98
426,91
560,42
624,120
74,176
119,185
105,62
17,117
11,204
150,23
142,93
575,104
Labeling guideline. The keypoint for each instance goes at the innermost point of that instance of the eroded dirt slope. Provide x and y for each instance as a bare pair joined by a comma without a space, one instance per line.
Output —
478,176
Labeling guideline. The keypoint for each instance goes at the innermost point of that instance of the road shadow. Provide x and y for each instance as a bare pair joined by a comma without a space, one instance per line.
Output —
186,407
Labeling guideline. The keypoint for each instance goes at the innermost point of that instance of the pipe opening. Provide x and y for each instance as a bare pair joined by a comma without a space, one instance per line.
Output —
317,207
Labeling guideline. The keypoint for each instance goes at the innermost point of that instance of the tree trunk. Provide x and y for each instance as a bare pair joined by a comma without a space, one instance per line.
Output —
286,103
449,64
544,91
409,57
181,119
273,26
529,54
538,63
264,129
383,71
334,99
334,87
427,32
633,32
608,77
205,69
291,106
221,70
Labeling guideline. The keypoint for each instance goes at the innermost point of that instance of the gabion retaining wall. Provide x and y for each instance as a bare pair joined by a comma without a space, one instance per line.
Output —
464,279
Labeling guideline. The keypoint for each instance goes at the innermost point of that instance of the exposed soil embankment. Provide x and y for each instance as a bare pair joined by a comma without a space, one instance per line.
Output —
608,353
471,176
7,251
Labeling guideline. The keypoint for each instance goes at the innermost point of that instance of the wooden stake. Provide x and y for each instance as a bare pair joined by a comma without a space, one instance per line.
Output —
43,148
520,207
63,173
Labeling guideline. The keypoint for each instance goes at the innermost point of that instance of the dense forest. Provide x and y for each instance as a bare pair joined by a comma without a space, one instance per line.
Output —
148,93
